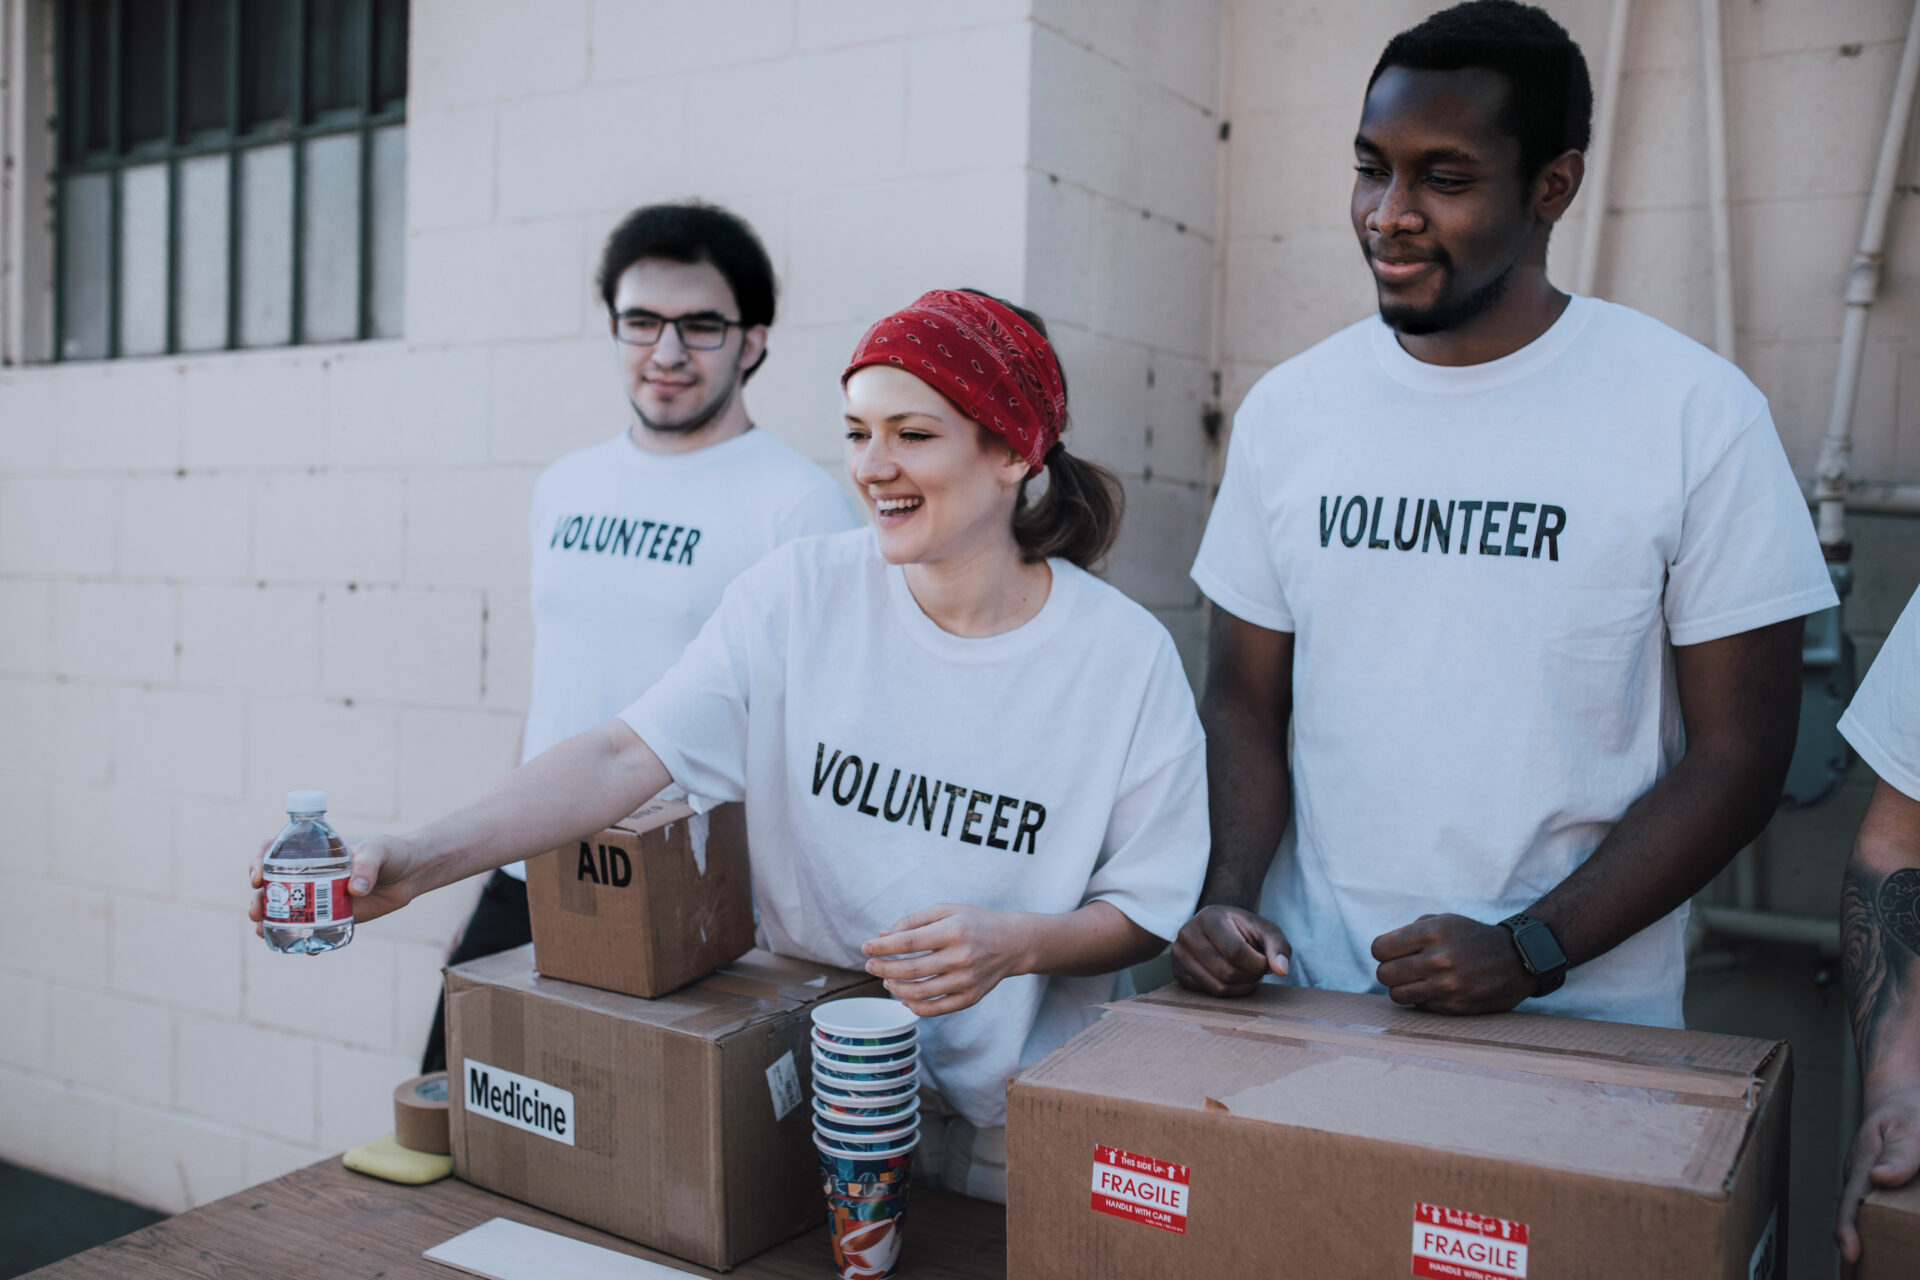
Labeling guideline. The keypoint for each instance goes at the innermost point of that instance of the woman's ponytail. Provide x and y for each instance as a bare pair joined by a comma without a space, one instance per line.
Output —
1078,516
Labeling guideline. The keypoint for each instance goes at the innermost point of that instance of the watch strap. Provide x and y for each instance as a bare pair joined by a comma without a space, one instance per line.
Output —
1540,952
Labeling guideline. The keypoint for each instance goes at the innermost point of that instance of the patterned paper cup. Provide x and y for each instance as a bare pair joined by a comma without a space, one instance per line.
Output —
866,1211
864,1017
854,1123
855,1107
841,1086
868,1142
829,1147
902,1052
896,1069
831,1040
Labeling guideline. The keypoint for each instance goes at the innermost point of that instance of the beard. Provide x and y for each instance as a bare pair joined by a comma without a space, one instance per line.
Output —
703,414
1445,312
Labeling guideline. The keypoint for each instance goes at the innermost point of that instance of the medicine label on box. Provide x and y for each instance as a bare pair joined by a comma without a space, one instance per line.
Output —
1140,1188
1451,1244
533,1105
783,1082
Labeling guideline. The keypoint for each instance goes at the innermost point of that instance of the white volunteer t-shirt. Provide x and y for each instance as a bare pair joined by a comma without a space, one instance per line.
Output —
1483,568
1883,720
631,552
888,766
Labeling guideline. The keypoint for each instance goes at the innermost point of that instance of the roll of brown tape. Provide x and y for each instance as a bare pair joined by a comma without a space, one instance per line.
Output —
420,1115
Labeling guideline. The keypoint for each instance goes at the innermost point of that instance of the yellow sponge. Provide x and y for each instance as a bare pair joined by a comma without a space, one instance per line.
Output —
385,1158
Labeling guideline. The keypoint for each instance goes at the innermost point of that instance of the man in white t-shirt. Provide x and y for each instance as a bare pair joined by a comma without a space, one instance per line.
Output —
635,539
1880,926
1489,555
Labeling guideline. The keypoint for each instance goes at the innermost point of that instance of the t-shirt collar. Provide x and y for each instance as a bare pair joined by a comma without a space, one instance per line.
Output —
714,453
1445,379
1023,639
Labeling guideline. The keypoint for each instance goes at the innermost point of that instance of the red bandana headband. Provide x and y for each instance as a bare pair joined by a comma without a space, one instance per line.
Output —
982,356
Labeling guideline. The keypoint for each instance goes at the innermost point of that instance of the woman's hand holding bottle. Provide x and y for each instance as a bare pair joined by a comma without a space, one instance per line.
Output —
380,880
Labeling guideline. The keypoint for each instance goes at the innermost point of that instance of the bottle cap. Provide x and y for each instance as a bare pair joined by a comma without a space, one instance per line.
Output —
306,802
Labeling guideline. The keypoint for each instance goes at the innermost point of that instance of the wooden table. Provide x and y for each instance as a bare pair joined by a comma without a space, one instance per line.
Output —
328,1223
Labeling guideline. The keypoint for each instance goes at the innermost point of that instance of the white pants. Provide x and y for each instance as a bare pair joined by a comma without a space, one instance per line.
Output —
956,1156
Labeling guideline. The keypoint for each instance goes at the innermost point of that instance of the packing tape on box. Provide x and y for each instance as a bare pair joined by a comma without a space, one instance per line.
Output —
420,1115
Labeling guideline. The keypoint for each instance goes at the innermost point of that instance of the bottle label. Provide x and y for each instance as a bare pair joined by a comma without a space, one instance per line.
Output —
308,900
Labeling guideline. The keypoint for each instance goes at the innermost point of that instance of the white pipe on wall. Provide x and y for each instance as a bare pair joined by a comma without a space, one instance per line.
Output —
1600,152
1863,285
1719,219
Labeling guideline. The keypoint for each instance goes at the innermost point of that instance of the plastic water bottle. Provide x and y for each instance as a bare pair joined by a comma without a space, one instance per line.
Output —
308,907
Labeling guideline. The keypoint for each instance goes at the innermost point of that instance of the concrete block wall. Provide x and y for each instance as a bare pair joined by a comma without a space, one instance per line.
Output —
1807,91
1121,227
226,576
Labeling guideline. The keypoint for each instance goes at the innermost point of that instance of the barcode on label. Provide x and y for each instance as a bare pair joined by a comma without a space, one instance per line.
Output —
323,901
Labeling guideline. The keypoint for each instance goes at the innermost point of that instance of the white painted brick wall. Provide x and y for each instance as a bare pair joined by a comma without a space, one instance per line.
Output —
229,575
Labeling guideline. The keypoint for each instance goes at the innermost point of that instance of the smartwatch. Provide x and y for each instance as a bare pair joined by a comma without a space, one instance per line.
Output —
1540,953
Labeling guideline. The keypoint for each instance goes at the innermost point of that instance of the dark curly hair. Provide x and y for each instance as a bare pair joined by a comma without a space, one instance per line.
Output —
694,232
1549,106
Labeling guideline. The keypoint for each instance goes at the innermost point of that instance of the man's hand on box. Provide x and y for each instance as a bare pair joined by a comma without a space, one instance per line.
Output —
1226,951
380,878
1886,1153
945,958
1451,964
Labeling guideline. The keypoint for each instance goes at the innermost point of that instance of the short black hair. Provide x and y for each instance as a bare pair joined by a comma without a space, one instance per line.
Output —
1549,106
693,231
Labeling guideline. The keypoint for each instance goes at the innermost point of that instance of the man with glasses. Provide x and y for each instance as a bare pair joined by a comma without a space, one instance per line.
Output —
635,538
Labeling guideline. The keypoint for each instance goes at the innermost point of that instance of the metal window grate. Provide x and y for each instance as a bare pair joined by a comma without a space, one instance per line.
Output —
230,174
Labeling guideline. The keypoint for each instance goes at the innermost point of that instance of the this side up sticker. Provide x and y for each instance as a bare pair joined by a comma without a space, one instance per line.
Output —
1140,1189
1451,1244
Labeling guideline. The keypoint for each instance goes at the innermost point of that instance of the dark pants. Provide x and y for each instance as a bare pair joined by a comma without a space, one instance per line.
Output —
499,923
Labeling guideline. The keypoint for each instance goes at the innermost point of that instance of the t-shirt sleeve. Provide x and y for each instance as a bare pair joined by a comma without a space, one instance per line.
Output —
823,509
1235,564
1748,555
1883,721
695,716
1154,855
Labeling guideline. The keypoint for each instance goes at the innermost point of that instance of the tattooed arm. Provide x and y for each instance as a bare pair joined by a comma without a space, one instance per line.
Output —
1880,961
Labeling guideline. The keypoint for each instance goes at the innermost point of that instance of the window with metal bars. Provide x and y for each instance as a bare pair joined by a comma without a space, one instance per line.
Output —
231,173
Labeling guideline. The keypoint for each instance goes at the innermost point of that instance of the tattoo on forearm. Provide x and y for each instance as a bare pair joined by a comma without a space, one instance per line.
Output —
1880,948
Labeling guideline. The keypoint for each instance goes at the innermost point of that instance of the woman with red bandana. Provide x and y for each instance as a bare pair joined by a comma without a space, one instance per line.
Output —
973,768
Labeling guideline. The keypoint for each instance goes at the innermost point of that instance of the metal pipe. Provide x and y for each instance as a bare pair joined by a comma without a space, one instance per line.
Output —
1772,926
1863,285
1719,219
1600,153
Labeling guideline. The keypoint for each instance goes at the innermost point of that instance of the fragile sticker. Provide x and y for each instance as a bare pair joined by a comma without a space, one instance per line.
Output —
783,1083
1452,1244
1140,1189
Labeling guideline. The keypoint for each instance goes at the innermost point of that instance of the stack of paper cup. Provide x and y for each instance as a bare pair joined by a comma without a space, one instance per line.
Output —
866,1123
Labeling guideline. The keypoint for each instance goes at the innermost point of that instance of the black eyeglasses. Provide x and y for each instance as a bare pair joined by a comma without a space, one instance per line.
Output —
702,331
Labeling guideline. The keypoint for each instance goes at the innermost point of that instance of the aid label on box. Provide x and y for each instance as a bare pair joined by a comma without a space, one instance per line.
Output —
1140,1189
1452,1244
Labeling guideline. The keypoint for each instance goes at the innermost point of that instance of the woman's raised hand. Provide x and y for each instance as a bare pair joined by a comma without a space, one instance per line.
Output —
947,957
383,868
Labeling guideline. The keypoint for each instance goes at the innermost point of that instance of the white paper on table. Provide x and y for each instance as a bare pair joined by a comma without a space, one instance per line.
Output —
500,1249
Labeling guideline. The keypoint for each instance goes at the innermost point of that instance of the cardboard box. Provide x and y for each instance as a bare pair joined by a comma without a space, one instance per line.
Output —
647,906
1318,1134
1890,1234
680,1123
